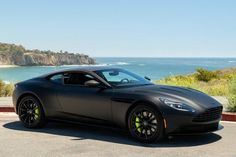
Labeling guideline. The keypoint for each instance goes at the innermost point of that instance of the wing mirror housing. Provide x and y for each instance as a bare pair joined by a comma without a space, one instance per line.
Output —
94,83
147,78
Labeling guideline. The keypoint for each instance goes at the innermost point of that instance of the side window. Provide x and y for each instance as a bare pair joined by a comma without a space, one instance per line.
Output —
77,78
56,78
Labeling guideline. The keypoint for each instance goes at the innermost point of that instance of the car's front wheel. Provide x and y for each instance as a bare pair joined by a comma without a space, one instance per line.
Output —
145,124
31,113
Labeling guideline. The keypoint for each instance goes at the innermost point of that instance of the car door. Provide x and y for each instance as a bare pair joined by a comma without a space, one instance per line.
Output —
78,99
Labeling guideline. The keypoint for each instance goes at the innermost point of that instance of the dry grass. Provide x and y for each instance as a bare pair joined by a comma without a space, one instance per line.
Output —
214,87
6,89
222,83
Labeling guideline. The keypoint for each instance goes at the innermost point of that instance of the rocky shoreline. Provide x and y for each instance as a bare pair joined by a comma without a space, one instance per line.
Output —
11,54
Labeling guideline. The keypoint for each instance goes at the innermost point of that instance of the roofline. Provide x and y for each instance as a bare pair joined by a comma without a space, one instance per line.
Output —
90,70
80,69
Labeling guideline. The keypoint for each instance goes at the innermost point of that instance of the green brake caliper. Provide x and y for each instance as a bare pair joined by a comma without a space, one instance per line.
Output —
137,124
36,116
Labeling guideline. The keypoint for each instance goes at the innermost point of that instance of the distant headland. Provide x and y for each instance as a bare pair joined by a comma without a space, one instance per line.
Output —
11,54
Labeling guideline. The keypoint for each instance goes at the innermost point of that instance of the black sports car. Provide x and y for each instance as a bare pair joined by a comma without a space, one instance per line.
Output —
114,96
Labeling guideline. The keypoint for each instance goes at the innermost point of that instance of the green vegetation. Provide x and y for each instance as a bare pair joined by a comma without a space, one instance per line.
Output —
232,95
205,75
18,49
6,89
214,83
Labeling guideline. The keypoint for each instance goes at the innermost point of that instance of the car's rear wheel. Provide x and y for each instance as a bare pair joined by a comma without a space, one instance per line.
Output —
31,113
145,124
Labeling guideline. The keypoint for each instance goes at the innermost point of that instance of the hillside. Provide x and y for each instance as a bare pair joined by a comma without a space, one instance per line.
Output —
11,54
214,83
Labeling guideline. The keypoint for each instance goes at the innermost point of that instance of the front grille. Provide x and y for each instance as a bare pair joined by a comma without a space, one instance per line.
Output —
209,115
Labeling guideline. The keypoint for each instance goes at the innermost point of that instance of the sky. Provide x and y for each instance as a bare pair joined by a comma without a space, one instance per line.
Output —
122,28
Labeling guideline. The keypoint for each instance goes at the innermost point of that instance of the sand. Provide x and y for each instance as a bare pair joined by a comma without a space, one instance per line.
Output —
8,66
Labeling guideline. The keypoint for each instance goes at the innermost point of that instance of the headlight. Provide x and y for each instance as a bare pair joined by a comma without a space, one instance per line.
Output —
177,105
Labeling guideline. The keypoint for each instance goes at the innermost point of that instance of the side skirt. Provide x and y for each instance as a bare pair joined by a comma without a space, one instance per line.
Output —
97,124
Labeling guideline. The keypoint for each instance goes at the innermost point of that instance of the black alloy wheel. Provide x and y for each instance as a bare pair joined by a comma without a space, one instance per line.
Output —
145,124
31,113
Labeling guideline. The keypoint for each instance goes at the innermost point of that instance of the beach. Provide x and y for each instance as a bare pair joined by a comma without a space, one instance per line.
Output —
8,66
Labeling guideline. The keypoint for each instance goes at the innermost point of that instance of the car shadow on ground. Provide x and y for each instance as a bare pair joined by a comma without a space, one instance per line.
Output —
78,132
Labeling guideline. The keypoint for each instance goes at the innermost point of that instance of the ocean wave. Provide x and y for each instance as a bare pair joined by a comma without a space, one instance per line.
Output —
112,64
103,64
82,65
122,63
142,64
231,61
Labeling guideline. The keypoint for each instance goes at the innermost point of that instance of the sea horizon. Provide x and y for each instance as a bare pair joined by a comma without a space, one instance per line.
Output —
156,67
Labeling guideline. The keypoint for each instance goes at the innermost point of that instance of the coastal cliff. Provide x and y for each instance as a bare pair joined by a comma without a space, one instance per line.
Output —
11,54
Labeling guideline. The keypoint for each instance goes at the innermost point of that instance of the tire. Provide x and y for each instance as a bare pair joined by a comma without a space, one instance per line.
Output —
31,112
145,124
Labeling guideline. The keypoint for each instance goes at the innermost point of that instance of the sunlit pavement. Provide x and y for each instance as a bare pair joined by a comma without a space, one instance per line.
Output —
73,140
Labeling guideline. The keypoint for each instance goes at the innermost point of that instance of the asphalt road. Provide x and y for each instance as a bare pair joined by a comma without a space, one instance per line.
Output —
73,140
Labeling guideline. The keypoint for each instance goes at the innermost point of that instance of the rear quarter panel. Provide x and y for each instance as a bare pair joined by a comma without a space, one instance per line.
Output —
43,90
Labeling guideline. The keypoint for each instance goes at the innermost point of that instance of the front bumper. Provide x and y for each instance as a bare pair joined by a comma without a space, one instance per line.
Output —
193,123
198,128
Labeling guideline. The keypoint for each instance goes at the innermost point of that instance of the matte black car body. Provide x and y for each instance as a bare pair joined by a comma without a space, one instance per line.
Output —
110,105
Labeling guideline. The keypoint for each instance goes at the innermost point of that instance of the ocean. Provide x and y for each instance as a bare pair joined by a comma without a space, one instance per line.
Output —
155,68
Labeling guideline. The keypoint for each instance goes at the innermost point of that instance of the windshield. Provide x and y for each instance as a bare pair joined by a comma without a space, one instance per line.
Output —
121,78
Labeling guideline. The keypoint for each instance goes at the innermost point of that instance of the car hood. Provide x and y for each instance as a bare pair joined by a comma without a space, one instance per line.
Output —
194,98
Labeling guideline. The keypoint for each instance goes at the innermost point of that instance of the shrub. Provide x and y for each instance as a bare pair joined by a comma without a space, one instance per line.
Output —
205,75
232,95
214,87
185,81
5,89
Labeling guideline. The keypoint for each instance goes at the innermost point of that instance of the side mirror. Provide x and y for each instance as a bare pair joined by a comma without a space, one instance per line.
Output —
147,78
94,83
91,83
